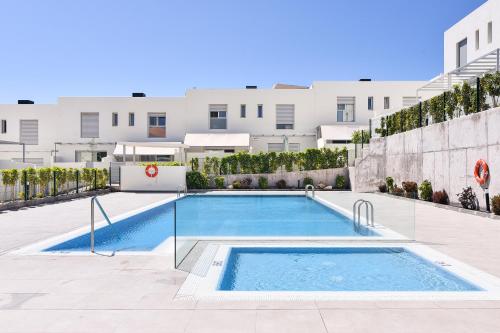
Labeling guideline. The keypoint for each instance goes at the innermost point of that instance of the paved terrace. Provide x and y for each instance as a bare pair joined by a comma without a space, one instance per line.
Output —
136,293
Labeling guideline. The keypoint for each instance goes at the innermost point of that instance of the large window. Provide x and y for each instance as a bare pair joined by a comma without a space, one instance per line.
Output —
345,109
29,132
462,53
370,103
156,125
490,32
89,125
218,116
285,116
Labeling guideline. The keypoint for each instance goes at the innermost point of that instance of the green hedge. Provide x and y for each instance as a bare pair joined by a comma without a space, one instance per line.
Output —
246,163
461,100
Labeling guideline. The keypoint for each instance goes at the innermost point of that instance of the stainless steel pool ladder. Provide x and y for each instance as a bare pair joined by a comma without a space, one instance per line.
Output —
181,188
310,186
356,213
94,201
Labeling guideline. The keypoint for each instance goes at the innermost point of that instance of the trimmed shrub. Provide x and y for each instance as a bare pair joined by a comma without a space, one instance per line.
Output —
441,197
389,181
196,180
281,183
411,189
495,204
219,182
398,191
425,189
340,182
263,184
237,185
382,188
307,181
246,183
468,199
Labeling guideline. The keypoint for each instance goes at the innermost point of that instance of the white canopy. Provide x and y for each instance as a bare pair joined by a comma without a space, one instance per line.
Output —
339,132
148,148
217,139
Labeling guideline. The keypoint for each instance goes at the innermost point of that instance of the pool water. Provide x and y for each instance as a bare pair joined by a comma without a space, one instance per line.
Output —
335,269
225,215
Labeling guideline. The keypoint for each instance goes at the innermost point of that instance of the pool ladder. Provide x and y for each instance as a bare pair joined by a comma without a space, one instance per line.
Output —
356,213
182,188
93,202
309,186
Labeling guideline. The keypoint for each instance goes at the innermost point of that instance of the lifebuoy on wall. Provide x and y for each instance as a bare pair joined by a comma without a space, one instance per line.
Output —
481,172
151,170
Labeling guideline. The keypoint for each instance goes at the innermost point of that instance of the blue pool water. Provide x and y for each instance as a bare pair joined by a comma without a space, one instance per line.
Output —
210,215
335,269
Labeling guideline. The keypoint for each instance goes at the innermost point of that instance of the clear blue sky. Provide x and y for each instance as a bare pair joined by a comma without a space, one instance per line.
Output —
55,48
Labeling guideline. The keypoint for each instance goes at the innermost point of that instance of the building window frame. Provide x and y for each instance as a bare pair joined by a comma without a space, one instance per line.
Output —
260,111
157,122
370,103
4,126
387,102
243,111
490,32
217,117
476,39
131,119
114,119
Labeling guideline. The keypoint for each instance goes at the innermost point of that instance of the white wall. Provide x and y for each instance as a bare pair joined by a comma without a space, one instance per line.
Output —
466,28
133,178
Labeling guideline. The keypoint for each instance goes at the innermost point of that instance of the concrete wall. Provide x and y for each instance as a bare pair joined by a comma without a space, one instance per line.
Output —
325,176
443,153
133,178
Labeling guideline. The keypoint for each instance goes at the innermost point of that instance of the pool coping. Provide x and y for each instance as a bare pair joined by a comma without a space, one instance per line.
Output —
199,287
166,247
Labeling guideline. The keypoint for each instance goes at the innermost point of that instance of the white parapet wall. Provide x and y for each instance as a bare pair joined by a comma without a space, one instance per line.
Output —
169,178
443,153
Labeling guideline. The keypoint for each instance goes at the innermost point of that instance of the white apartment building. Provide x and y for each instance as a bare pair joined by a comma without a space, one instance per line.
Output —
209,121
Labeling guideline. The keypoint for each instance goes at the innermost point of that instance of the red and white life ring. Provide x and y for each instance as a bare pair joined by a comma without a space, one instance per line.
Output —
151,170
481,172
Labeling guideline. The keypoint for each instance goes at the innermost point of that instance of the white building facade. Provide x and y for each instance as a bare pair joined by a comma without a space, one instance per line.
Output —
211,121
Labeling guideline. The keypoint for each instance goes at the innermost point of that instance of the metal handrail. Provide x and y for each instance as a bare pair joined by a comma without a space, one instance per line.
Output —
310,186
370,220
179,188
93,201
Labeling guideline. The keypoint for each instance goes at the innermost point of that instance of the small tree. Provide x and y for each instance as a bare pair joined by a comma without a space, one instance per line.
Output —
491,84
44,177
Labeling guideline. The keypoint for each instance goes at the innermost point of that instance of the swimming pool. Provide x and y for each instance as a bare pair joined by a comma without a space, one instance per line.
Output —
335,269
219,216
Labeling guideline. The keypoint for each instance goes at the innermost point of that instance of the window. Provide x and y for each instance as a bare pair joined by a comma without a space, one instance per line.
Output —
409,101
243,111
490,32
279,147
114,119
387,103
229,151
218,116
156,125
28,133
345,109
285,116
477,39
131,119
89,156
4,126
260,111
462,53
89,125
370,103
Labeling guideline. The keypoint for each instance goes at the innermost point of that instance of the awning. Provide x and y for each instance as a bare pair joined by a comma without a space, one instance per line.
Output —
217,139
339,132
148,148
